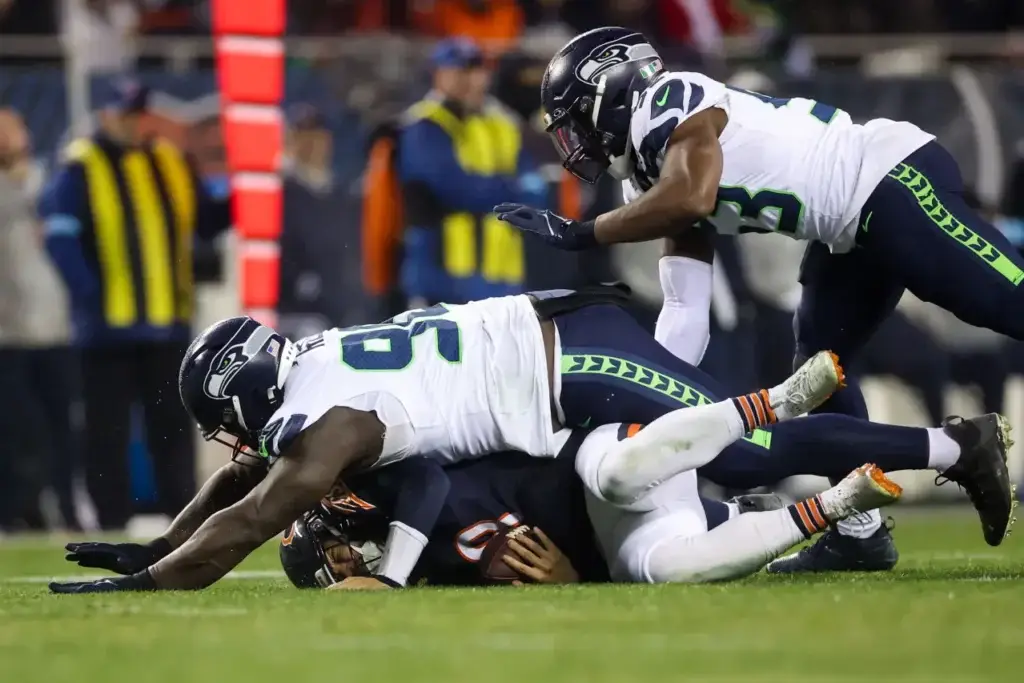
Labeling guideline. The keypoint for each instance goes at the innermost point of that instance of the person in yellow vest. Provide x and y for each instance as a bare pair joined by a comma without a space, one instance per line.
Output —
457,151
120,218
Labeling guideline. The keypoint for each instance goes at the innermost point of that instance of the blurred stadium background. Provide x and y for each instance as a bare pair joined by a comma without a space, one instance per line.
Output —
954,67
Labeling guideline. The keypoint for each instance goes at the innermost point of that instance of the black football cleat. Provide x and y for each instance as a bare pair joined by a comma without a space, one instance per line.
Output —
758,502
981,470
833,552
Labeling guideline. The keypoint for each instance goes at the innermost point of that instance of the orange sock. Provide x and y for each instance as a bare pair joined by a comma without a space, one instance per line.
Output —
755,410
809,516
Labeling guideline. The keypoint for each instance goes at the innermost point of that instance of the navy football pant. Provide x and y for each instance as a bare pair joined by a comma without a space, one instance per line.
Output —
916,232
612,370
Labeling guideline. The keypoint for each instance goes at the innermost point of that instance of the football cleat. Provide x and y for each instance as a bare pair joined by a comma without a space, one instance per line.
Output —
834,552
810,386
981,471
866,488
758,502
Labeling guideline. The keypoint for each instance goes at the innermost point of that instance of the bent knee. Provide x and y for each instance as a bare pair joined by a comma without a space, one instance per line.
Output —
617,485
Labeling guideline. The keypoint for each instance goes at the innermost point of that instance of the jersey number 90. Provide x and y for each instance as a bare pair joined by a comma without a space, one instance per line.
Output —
389,346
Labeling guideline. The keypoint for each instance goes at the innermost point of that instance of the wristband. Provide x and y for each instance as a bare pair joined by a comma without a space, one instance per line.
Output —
160,548
587,235
139,581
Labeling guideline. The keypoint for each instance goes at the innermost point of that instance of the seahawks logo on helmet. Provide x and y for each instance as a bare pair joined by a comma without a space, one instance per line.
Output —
233,358
604,57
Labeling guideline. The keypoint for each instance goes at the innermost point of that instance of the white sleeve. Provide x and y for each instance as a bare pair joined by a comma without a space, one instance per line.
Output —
684,324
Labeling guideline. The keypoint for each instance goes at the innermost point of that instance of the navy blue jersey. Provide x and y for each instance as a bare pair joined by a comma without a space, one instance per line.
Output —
484,495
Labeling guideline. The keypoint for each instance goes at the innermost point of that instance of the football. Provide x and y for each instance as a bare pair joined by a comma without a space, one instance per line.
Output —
492,566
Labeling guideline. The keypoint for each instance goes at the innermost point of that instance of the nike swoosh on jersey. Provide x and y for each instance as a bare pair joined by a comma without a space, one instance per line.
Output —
664,97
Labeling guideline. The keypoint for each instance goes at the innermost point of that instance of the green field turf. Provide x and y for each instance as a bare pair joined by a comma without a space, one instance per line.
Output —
954,611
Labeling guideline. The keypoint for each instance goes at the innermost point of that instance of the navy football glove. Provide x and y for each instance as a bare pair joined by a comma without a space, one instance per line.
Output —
136,582
557,231
121,558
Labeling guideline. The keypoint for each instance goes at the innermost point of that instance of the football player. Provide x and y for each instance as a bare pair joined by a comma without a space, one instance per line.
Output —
881,203
345,535
647,517
461,382
455,382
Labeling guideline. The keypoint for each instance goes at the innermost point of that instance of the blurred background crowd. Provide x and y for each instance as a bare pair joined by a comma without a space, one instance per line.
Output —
406,121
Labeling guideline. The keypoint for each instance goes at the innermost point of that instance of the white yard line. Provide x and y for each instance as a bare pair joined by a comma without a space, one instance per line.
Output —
249,575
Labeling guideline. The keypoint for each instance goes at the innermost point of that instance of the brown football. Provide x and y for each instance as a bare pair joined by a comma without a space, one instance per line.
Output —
492,566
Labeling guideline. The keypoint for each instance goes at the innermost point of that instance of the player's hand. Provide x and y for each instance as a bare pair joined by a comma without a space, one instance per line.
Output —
540,560
142,581
121,558
359,583
564,233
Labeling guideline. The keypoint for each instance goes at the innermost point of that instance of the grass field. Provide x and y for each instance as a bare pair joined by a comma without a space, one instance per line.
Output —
954,611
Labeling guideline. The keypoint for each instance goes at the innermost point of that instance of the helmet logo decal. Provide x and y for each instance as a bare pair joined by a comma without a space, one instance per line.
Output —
604,57
343,499
232,358
290,534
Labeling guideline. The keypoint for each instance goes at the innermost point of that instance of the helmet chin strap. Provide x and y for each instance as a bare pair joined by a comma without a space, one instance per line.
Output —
619,167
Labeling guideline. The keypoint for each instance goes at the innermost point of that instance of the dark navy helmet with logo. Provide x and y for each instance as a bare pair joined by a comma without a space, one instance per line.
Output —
232,379
588,94
325,546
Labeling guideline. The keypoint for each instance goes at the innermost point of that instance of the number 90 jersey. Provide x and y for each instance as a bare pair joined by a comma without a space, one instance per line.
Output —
452,382
793,166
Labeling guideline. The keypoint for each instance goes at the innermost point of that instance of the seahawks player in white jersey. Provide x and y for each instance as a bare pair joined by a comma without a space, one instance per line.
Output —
451,382
881,203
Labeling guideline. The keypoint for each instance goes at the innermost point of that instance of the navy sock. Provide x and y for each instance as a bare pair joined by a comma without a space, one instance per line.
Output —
834,445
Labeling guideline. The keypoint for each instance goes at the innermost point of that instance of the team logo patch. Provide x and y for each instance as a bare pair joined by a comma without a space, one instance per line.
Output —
242,348
343,499
604,57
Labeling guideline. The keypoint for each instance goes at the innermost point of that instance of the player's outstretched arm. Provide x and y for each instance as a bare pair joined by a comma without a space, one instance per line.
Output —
226,487
342,439
686,192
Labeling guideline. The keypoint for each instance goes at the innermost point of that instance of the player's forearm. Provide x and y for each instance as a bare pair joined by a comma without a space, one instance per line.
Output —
220,544
664,210
227,486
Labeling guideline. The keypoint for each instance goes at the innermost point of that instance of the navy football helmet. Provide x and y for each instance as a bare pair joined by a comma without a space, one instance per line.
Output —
317,545
232,380
588,94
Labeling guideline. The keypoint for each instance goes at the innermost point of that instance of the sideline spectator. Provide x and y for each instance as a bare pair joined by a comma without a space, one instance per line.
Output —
37,369
314,243
121,216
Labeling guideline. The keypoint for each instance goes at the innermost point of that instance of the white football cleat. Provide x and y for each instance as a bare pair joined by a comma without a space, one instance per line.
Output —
866,488
807,388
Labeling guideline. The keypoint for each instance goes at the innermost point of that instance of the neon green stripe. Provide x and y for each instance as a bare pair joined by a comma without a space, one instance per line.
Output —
595,364
923,191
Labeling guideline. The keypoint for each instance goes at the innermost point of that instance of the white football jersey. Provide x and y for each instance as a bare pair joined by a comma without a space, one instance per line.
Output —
453,382
793,166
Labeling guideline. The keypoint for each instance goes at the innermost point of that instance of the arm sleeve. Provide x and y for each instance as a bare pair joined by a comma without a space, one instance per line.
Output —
426,155
421,494
64,209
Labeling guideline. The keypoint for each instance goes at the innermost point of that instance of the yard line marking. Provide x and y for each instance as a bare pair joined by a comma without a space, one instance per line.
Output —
246,575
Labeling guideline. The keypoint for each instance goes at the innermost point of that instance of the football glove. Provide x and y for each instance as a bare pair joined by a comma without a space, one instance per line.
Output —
121,558
564,233
141,581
